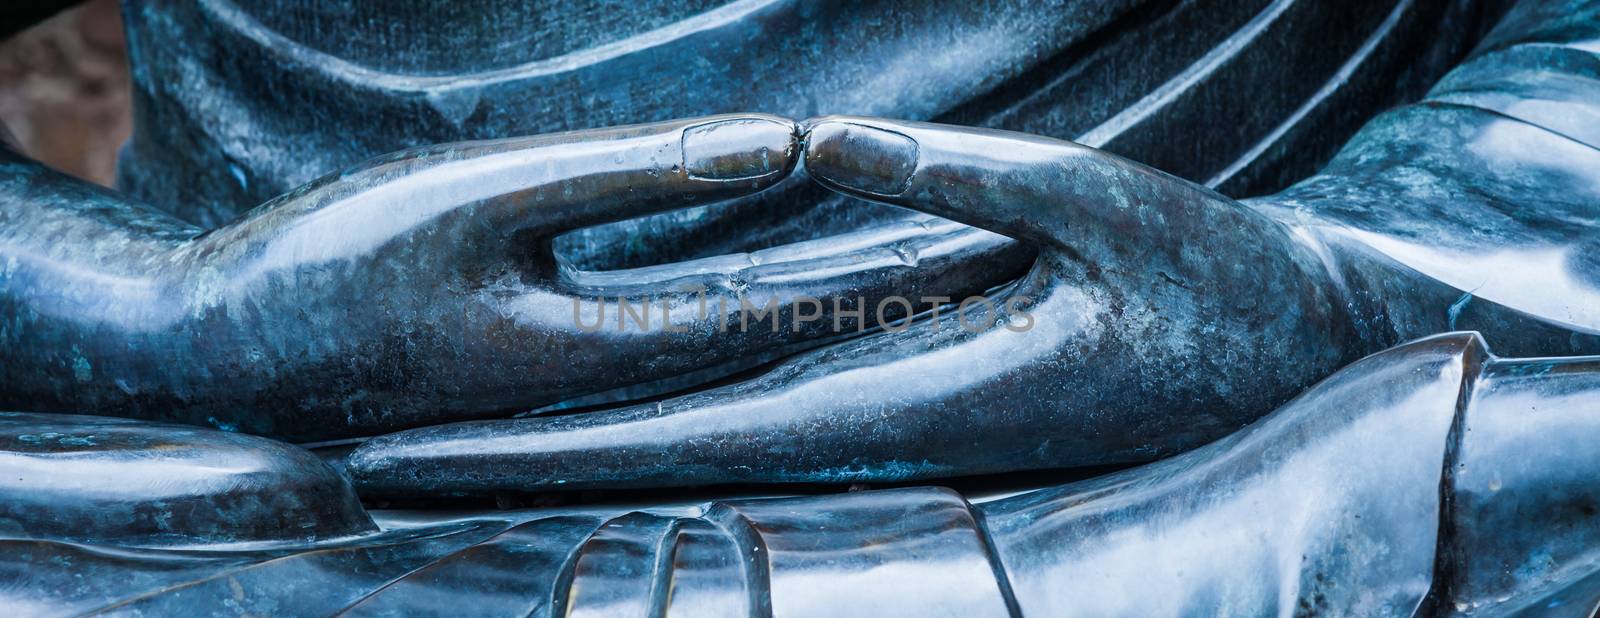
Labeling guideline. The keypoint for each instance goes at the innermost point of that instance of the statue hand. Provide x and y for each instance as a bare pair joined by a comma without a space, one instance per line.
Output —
1155,319
419,287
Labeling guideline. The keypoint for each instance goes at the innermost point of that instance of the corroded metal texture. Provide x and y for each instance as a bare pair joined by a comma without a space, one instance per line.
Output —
1305,417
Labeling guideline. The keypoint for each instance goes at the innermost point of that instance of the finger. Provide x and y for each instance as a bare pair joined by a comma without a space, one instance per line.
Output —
845,244
897,257
671,327
549,183
585,178
682,318
797,292
1038,189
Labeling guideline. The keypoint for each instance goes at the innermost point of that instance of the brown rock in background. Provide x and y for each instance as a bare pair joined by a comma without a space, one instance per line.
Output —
64,91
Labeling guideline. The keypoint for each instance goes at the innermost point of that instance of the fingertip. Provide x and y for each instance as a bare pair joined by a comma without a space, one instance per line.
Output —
742,147
854,155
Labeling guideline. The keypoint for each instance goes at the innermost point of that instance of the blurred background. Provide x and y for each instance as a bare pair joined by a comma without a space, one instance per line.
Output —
64,90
